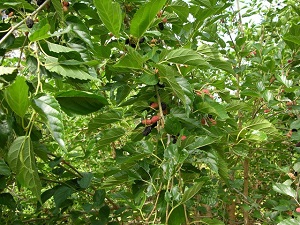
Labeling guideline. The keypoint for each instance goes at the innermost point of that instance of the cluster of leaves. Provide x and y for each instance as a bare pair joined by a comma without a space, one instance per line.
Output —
76,87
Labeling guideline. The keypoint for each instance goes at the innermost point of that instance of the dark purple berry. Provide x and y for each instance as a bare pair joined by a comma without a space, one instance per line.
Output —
147,131
142,40
39,2
154,125
174,139
163,106
29,23
161,26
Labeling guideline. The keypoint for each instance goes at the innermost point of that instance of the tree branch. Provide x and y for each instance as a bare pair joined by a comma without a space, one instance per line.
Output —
21,22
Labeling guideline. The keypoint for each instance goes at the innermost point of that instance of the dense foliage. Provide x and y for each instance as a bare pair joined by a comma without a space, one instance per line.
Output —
149,112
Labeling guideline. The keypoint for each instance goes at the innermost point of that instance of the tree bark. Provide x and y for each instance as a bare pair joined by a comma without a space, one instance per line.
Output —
246,189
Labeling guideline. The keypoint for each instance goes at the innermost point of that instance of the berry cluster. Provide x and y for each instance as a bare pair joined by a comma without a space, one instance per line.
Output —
152,123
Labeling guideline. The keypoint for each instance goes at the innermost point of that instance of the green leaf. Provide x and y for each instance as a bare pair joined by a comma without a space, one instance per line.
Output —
201,142
290,221
187,57
4,169
80,102
209,221
191,192
132,61
222,64
75,72
285,188
268,95
187,89
122,92
104,119
213,108
61,194
40,31
85,181
8,200
21,160
144,17
16,96
167,75
292,37
148,79
258,124
283,79
257,135
109,136
99,197
79,28
181,8
177,216
58,9
172,125
222,165
58,48
111,15
296,167
295,124
49,110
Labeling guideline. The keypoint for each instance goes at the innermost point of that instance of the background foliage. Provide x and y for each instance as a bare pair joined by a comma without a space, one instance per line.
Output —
149,112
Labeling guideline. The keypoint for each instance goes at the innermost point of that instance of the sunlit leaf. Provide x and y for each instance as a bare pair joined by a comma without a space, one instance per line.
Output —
259,124
144,17
59,48
53,65
283,79
285,188
296,167
111,15
21,160
290,221
186,56
256,135
16,96
49,110
7,70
